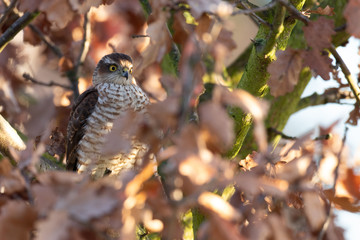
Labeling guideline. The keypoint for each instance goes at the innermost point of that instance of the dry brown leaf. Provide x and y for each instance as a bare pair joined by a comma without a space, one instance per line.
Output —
314,209
295,169
159,42
40,118
84,6
328,11
88,202
58,12
12,181
318,33
327,167
165,112
352,183
320,64
351,14
58,178
258,109
216,120
119,139
29,5
17,220
274,187
135,184
182,30
342,202
151,82
354,116
221,229
284,72
196,170
203,27
249,162
56,226
244,100
278,226
218,205
45,198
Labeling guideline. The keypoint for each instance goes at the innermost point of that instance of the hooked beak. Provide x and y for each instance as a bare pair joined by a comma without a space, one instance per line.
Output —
125,74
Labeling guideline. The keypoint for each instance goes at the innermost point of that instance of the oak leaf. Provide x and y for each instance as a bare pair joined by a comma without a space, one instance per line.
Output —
215,119
284,72
314,210
351,14
318,33
17,220
320,64
57,11
328,11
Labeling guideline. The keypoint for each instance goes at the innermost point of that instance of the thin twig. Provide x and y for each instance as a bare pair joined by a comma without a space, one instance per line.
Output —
296,13
336,176
353,85
85,43
139,36
46,40
252,12
16,27
284,136
49,84
321,99
7,12
248,11
73,74
27,175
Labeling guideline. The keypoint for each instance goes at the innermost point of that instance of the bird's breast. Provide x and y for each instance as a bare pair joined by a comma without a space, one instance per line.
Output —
113,100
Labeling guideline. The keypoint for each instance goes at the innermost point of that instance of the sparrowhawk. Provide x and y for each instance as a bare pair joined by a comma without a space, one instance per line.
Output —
113,93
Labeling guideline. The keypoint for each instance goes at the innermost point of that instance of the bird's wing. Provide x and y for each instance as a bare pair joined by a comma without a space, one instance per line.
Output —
82,109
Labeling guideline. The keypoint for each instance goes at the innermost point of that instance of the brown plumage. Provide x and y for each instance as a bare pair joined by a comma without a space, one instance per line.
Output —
114,92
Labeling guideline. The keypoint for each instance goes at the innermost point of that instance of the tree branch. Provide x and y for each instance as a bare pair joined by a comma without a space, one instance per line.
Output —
50,84
353,85
85,44
254,79
7,12
296,13
284,136
331,96
254,10
16,27
46,40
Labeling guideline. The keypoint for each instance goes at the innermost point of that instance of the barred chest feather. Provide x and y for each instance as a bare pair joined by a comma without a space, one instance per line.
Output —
114,99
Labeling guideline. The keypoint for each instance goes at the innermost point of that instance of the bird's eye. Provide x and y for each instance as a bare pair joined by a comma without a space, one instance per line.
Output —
131,70
113,68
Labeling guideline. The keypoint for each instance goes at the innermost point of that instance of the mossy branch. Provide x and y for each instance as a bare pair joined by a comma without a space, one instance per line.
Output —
255,76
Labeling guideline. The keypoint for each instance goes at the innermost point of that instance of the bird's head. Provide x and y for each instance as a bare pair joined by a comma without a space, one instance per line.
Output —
114,68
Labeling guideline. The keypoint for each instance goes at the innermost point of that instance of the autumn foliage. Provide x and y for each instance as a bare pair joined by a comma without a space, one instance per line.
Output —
282,190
